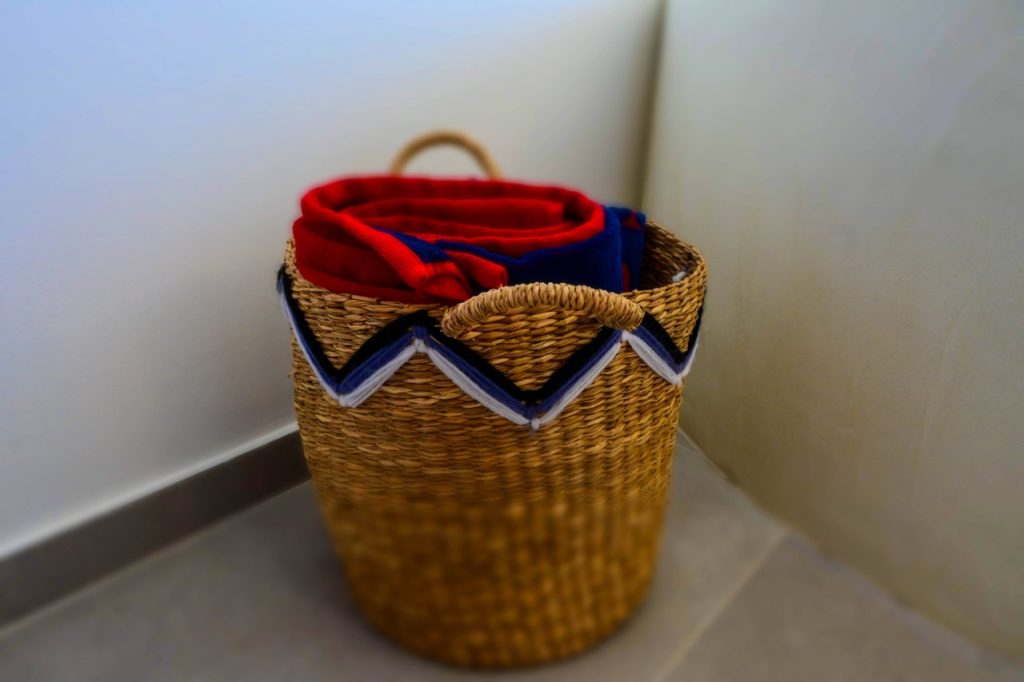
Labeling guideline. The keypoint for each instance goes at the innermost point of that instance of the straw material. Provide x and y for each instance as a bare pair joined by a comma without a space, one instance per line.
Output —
471,539
446,137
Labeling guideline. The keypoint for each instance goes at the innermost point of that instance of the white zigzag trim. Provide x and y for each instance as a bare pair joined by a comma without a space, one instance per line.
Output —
473,390
370,385
655,361
302,347
577,388
364,390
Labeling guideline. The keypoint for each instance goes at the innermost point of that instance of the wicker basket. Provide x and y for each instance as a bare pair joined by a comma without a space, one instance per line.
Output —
465,536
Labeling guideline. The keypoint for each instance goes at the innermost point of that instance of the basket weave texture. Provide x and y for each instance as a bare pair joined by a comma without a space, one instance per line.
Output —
477,541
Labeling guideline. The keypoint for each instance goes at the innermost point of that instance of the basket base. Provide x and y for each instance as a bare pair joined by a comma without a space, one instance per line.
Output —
510,649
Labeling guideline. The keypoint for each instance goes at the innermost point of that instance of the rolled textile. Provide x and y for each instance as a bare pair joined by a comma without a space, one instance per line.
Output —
427,240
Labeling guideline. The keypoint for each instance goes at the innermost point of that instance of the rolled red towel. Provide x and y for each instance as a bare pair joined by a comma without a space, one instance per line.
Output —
426,240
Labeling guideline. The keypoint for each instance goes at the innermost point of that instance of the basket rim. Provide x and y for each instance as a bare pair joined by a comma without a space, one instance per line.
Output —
697,265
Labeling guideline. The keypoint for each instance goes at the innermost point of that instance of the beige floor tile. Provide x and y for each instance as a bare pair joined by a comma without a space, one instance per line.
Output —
805,618
260,597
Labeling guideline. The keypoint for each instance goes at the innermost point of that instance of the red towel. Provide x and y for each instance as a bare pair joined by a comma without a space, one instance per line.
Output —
428,240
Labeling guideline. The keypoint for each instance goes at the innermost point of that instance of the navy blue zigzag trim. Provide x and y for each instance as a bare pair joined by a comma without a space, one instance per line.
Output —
390,341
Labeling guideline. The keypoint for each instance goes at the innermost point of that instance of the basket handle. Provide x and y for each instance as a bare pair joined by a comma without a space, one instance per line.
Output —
610,309
446,137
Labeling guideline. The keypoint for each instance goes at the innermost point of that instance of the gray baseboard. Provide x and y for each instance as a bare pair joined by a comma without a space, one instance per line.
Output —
56,567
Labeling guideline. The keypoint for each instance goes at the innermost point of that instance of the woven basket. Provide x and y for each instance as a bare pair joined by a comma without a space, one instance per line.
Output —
465,536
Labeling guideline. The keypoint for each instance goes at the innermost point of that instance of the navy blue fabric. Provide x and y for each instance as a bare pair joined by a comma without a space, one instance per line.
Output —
647,337
383,356
304,335
633,230
584,262
424,250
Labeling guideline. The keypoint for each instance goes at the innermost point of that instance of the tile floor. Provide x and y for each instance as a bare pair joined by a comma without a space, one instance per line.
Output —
258,597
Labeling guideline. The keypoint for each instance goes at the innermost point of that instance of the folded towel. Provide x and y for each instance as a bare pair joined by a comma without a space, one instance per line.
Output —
424,240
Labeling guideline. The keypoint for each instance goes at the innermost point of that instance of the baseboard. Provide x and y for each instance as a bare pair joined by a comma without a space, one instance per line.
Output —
45,572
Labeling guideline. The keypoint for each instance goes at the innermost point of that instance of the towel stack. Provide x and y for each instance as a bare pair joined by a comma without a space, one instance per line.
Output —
425,240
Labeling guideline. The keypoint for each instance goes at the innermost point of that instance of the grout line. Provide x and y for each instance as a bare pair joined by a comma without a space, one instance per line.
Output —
688,643
686,437
693,445
652,97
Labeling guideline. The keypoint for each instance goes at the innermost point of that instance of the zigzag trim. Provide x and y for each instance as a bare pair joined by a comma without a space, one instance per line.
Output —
391,347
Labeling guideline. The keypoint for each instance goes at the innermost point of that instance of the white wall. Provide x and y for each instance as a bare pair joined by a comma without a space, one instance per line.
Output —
151,159
854,173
